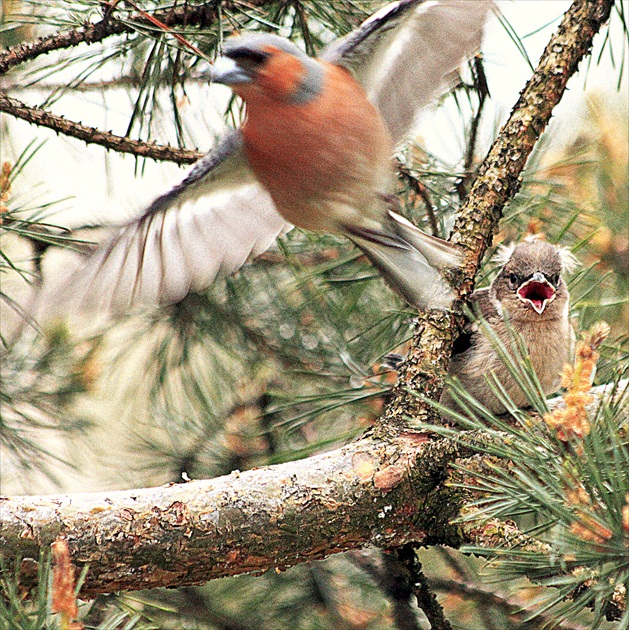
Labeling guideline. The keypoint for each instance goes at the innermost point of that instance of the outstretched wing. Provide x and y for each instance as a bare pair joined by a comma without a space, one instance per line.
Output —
209,224
405,54
193,232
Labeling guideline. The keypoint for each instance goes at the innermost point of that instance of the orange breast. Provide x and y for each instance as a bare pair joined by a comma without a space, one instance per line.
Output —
330,152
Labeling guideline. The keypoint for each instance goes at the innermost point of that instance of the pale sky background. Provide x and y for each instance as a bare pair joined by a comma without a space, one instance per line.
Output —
103,186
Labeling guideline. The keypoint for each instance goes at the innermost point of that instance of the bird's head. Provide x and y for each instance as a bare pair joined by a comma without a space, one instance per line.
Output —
265,65
529,286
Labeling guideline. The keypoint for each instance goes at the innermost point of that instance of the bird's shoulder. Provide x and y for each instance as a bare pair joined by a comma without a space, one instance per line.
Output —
224,167
481,305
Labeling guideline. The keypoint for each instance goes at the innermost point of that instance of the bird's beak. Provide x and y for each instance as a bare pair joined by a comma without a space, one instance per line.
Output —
537,292
228,72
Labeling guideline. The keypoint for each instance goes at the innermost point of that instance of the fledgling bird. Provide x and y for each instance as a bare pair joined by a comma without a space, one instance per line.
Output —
314,151
530,293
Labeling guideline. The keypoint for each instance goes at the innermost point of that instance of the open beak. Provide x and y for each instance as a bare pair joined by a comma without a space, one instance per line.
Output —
537,292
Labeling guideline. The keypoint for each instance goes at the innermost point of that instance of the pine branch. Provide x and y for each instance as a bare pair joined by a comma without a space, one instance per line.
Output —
277,516
421,191
202,15
91,135
369,493
426,599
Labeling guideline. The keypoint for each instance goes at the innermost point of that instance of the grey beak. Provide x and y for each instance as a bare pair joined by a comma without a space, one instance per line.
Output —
538,276
228,72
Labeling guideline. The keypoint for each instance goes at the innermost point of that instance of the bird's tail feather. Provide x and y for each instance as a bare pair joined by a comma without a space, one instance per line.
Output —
439,253
411,261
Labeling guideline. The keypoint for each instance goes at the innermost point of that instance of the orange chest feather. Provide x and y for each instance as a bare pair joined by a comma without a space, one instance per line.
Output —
334,141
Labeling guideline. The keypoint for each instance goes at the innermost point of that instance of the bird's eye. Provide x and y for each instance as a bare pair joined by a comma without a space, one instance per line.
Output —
513,280
248,56
554,279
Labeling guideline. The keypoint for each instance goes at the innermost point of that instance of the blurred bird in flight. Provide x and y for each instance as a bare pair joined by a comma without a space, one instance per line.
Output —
315,151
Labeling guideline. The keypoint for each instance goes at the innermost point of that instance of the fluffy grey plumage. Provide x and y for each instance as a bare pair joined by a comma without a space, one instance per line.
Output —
530,292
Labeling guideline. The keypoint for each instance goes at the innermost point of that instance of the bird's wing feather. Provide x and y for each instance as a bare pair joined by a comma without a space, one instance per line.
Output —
406,53
410,264
222,168
180,243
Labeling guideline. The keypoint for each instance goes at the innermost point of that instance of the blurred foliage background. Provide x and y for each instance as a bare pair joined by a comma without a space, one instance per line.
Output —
284,359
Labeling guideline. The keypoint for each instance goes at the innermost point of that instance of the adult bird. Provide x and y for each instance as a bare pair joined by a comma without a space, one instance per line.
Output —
530,297
315,151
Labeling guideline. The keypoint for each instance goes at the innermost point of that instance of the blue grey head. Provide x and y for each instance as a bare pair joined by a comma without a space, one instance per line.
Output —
250,59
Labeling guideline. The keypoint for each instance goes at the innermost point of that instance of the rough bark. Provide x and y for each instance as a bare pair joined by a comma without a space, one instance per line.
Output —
370,493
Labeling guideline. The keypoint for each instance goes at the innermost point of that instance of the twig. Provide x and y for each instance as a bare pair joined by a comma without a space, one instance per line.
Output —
186,15
166,29
418,584
420,190
91,135
483,92
395,576
393,580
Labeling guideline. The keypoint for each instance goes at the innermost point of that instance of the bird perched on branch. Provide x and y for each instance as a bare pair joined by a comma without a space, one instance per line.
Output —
314,151
530,294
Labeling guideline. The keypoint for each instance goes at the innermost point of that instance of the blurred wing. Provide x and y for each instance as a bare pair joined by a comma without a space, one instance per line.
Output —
405,54
209,224
223,168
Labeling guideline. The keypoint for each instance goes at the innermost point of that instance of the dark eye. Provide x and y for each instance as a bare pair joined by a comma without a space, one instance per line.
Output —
554,279
514,281
248,56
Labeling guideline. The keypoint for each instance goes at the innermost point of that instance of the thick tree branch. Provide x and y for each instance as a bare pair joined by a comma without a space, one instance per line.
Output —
91,135
370,493
382,493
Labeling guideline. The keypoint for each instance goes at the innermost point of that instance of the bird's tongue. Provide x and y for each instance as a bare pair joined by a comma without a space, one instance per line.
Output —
537,293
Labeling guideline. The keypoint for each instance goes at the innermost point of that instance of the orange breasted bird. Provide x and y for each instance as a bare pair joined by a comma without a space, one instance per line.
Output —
315,151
